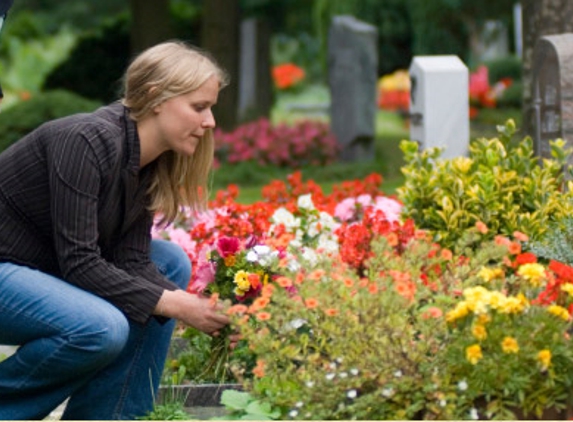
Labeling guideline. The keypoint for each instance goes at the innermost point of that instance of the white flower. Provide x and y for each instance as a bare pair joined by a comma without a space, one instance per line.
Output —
474,413
462,385
297,323
443,403
351,394
398,374
305,202
313,229
293,265
299,404
262,250
328,244
330,376
284,216
309,384
252,256
310,256
354,371
343,374
388,392
293,413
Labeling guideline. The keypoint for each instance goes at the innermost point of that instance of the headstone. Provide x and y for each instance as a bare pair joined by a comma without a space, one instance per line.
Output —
352,76
493,41
439,104
552,90
255,82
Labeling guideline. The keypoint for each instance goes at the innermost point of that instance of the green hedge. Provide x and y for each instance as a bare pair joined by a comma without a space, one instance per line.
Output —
22,118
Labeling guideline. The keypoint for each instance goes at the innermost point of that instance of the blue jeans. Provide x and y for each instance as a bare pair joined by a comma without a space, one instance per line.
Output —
77,345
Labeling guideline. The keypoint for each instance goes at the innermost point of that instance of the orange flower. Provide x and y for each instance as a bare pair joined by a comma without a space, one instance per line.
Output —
331,312
446,254
287,75
392,239
284,282
267,290
311,303
432,312
259,370
254,280
299,278
420,235
522,237
373,288
481,227
263,316
316,274
230,260
348,282
237,309
406,289
514,248
258,304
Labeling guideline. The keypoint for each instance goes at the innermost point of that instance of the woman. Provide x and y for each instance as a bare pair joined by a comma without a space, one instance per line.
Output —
87,295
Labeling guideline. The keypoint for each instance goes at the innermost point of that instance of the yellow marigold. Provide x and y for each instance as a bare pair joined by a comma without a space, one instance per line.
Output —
477,298
544,358
509,345
460,311
559,311
479,331
489,274
532,272
567,288
242,280
474,354
513,305
483,319
230,260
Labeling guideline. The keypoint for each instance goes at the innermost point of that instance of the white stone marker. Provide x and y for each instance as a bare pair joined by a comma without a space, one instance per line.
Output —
439,105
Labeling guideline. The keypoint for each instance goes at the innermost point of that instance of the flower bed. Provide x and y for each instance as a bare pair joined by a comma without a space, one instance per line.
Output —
349,309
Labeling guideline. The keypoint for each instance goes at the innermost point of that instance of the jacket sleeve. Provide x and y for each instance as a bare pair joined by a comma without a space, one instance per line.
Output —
76,163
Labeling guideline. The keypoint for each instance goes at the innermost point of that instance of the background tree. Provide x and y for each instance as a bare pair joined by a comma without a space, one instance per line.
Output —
150,23
540,18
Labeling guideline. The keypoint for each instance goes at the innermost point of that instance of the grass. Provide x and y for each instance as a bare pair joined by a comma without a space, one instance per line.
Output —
390,129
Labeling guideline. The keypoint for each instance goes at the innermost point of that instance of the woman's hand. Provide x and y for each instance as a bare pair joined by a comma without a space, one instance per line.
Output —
199,312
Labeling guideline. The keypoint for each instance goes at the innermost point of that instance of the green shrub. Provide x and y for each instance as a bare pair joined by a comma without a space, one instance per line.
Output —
501,184
22,118
504,67
556,243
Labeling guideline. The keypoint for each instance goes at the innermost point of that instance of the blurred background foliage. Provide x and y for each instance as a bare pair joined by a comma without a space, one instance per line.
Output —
83,48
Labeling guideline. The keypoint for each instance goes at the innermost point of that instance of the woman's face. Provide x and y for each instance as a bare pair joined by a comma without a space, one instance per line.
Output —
181,121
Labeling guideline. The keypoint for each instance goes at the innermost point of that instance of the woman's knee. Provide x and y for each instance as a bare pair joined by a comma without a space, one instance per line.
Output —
171,261
100,338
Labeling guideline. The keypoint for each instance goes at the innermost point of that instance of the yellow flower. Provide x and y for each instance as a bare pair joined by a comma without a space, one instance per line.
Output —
242,280
559,311
513,305
239,292
544,358
473,354
460,311
509,345
479,332
489,274
568,288
477,298
532,272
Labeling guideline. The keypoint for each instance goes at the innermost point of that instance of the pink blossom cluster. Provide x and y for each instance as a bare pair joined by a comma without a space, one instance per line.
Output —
306,142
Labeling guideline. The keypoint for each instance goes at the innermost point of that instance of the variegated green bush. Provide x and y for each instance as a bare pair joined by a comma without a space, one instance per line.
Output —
502,183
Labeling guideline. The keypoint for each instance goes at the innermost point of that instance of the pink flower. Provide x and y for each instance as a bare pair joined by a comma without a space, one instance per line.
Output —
227,246
390,207
345,209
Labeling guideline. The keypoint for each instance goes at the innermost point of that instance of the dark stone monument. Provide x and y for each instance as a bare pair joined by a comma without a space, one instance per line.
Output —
352,76
255,82
552,89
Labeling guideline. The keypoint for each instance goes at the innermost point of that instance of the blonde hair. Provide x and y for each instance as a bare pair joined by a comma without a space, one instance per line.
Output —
161,72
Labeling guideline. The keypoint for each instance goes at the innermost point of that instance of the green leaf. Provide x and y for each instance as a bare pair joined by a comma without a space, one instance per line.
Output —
236,400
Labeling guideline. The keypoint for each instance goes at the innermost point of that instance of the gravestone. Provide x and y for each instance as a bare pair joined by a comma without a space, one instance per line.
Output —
439,104
552,90
255,82
352,76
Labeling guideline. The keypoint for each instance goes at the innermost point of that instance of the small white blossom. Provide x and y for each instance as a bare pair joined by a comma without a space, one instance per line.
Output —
354,371
388,392
330,376
332,365
297,323
293,265
339,360
343,375
474,413
462,385
305,202
299,404
398,374
293,413
252,256
443,403
351,394
310,384
284,216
